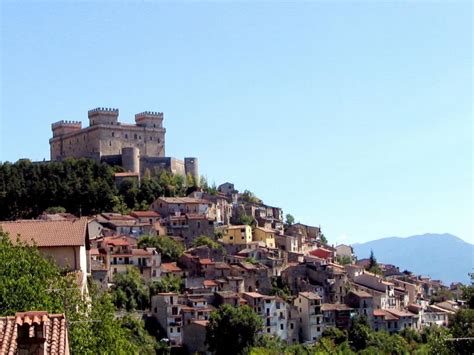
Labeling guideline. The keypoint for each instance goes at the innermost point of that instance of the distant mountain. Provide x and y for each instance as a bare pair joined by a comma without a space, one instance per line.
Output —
441,256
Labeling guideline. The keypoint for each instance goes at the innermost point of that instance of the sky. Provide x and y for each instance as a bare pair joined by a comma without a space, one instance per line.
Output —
355,116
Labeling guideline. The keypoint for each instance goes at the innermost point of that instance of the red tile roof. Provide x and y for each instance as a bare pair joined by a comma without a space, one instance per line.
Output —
206,262
209,283
170,267
144,214
56,331
48,233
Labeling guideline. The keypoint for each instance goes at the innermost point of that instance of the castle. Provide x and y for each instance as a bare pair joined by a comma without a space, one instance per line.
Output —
136,147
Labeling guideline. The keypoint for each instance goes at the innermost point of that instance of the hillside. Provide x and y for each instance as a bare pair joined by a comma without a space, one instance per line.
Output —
441,256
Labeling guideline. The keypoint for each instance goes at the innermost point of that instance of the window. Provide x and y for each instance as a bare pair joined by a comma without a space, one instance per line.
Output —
113,134
268,330
135,136
292,326
318,329
126,136
281,326
179,330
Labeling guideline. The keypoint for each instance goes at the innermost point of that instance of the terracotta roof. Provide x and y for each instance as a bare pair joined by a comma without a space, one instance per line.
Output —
209,283
206,262
116,241
398,313
56,331
48,233
170,267
386,315
151,214
253,294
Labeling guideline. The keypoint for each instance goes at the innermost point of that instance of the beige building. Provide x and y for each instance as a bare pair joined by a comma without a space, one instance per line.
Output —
237,235
65,241
264,235
311,317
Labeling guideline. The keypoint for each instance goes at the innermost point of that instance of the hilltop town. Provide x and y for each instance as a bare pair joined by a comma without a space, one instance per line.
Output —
195,248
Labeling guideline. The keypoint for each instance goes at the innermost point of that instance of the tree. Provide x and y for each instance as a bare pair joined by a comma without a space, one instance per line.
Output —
169,248
167,283
129,291
468,292
55,209
323,238
232,330
245,219
344,259
250,197
359,334
336,335
373,265
206,241
289,220
461,325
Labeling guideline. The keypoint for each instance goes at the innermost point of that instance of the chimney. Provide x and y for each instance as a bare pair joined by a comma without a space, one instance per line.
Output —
31,332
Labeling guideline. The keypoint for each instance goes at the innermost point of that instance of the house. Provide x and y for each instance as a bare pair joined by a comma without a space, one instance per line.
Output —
150,217
66,242
337,315
287,243
383,291
383,320
34,332
323,253
167,311
345,250
171,269
361,301
273,312
168,206
405,319
241,234
123,224
189,226
264,235
311,317
121,252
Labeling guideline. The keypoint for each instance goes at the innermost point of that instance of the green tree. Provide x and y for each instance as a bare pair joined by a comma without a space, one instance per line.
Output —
167,283
169,248
129,291
55,209
289,220
233,330
246,219
359,334
250,197
461,325
323,238
206,241
344,259
468,292
336,335
138,336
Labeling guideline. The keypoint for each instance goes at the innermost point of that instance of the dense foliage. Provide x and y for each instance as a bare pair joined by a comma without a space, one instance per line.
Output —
129,290
233,330
78,186
169,248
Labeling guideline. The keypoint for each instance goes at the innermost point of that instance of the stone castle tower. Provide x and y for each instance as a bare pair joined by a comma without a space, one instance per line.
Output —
135,147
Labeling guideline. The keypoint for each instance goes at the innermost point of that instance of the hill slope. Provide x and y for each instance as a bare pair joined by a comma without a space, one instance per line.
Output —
441,256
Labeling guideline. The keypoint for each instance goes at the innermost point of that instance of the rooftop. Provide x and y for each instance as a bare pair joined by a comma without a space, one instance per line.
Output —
48,233
56,331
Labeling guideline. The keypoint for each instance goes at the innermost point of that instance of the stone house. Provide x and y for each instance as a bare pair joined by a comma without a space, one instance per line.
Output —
167,311
311,317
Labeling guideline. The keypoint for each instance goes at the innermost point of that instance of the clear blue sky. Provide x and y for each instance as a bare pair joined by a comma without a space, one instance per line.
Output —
354,116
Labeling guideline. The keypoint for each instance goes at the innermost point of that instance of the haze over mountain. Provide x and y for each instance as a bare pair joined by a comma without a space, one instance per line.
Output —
441,256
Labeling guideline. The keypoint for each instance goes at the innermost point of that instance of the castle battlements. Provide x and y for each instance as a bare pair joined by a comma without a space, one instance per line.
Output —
148,114
65,123
103,110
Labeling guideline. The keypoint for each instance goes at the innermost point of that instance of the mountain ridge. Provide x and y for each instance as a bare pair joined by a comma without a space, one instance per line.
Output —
441,256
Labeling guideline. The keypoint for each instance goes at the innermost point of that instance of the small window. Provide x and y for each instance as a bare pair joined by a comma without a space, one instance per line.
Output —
113,134
126,136
281,326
